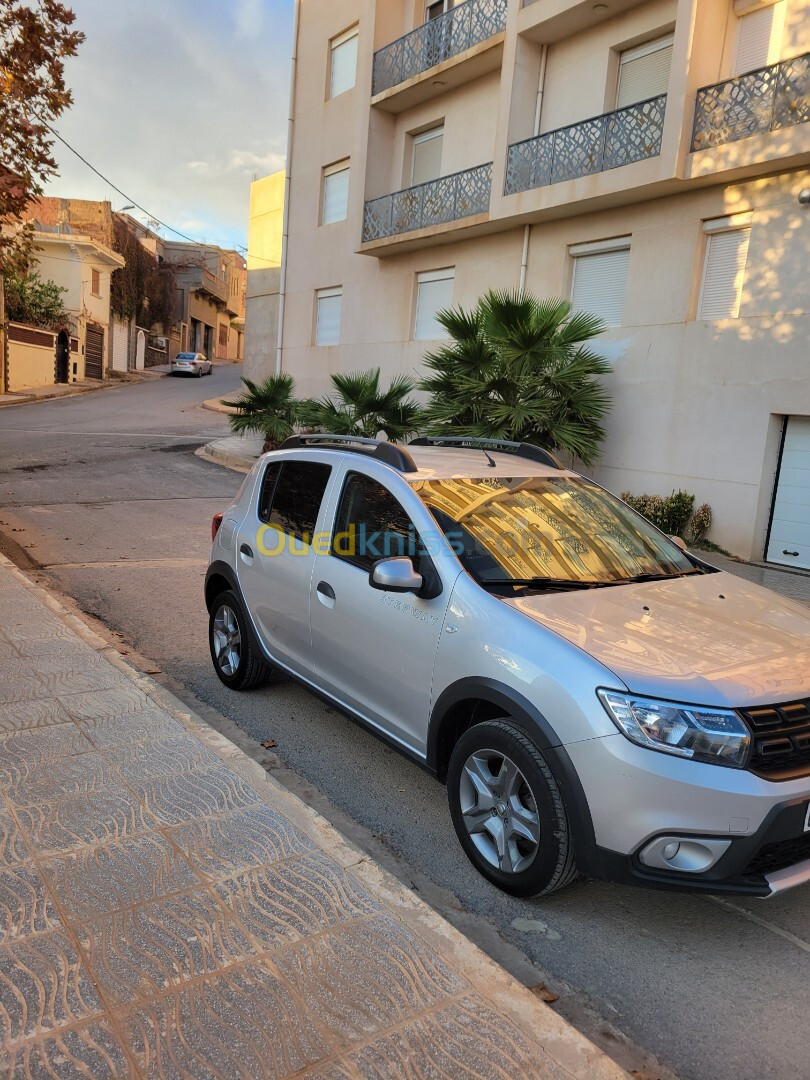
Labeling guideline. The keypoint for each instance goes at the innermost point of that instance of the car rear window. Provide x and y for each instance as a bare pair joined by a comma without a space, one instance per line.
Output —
291,496
186,356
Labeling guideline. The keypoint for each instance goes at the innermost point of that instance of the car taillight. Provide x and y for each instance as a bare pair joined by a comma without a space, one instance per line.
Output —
215,524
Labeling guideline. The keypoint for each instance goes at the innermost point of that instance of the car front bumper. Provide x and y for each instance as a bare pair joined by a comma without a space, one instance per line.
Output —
636,796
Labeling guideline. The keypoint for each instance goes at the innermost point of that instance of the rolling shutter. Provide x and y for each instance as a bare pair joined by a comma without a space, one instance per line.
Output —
329,307
789,541
723,274
755,32
427,156
94,353
600,283
434,293
343,68
644,72
335,193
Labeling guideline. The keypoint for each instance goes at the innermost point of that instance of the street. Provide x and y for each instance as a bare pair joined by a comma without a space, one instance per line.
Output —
104,494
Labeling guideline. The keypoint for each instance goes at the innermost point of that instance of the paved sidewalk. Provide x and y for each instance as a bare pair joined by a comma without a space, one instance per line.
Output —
167,909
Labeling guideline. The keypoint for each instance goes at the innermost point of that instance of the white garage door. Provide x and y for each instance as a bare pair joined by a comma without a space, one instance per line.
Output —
790,528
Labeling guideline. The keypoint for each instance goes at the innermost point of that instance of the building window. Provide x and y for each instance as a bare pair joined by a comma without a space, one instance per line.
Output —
723,269
343,62
426,155
439,7
223,336
95,282
644,71
328,304
335,204
759,38
434,293
599,282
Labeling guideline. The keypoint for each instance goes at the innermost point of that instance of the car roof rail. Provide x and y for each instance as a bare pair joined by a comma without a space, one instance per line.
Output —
386,452
471,442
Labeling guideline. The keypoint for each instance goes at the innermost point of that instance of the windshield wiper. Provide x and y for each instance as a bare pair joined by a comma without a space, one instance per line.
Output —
544,583
661,577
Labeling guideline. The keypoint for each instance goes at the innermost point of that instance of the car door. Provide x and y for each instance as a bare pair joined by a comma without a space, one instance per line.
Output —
374,651
275,557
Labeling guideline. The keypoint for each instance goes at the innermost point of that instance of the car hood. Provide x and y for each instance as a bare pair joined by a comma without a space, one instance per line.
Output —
711,639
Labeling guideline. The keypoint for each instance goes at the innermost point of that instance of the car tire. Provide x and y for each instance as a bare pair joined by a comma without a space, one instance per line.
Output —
235,653
199,373
508,812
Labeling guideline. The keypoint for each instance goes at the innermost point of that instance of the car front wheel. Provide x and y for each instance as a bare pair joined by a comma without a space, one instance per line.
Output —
508,812
234,651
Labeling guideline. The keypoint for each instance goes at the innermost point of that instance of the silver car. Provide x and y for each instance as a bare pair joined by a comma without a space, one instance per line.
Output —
189,363
596,699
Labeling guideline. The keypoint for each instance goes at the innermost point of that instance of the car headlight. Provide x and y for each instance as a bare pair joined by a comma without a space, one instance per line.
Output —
717,736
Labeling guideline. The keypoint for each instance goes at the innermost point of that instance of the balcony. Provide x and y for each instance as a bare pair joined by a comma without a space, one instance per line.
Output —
592,146
450,198
770,99
462,28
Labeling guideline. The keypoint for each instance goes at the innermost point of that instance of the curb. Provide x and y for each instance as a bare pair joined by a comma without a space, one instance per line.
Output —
570,1051
115,381
228,461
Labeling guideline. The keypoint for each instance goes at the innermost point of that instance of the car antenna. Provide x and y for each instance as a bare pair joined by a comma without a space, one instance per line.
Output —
491,461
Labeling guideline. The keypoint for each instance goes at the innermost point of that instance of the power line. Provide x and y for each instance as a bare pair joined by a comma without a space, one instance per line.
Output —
124,195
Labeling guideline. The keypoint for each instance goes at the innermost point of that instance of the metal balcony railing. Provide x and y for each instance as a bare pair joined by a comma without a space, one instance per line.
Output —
459,29
592,146
764,100
447,199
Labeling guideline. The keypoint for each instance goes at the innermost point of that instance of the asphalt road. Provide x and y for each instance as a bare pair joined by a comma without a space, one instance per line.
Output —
103,491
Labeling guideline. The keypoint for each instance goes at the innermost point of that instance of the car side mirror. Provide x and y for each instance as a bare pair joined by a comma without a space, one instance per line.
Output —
395,575
679,542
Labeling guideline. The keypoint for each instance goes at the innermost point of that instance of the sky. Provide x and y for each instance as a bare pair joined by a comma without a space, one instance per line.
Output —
180,103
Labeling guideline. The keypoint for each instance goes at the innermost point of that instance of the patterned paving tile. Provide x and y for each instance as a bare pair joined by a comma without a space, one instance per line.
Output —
224,1026
12,848
37,747
77,1053
34,714
43,985
67,656
92,881
26,782
142,951
123,700
220,847
366,977
25,907
22,689
182,796
144,726
144,761
30,635
97,818
33,648
464,1039
65,684
295,898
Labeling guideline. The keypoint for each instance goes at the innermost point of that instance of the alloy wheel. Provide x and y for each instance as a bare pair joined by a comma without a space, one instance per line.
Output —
499,811
227,640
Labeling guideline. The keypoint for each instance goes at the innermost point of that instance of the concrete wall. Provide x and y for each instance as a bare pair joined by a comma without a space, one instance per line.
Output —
30,365
261,324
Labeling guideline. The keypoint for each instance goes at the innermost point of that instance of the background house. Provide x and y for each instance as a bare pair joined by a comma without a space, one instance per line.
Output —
211,286
650,160
265,233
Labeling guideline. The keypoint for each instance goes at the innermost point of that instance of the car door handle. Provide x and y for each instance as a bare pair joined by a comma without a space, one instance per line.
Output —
795,554
245,549
326,590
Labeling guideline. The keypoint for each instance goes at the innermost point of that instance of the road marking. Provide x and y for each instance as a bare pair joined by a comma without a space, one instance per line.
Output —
786,934
128,564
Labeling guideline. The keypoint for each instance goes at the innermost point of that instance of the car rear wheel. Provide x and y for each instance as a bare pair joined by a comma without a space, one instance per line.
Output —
508,812
234,651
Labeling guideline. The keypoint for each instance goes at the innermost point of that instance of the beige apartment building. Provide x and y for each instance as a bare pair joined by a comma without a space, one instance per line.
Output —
649,160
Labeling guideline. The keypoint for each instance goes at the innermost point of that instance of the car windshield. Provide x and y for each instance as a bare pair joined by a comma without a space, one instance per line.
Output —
565,530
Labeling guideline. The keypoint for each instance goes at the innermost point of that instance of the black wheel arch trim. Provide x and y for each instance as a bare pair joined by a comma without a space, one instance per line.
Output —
223,570
532,721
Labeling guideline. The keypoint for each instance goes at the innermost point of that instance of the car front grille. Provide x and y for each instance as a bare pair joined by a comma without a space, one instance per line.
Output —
781,737
779,856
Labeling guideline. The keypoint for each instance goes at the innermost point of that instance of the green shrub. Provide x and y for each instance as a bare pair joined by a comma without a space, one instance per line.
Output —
670,514
701,523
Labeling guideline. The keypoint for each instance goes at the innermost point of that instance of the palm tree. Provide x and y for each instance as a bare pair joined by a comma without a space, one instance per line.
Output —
360,407
267,407
519,368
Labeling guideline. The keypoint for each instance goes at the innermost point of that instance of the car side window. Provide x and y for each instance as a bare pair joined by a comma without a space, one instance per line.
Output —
291,496
371,525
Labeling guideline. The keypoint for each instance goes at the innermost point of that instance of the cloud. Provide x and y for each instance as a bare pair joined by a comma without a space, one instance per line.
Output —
180,106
